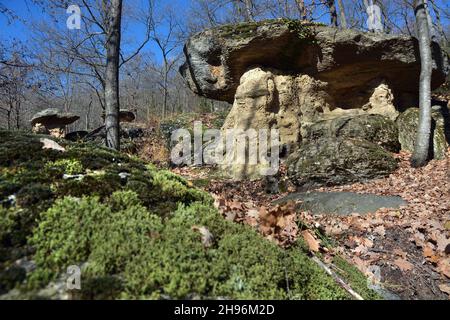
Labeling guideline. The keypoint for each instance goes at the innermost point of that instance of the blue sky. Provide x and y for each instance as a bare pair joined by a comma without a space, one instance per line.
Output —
29,13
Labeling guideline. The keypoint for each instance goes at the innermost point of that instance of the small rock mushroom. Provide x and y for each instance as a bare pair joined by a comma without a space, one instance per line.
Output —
52,121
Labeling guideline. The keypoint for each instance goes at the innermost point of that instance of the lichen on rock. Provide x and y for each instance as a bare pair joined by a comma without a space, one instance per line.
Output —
337,161
408,121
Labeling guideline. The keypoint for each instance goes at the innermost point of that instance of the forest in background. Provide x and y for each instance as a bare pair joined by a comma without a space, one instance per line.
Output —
54,66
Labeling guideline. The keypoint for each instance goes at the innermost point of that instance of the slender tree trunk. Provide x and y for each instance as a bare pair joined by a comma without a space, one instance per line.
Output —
429,20
88,114
8,116
301,9
249,10
333,13
164,110
437,13
421,148
112,104
342,16
17,109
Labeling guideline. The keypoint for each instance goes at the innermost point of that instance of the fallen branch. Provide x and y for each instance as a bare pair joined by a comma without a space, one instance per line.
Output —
336,278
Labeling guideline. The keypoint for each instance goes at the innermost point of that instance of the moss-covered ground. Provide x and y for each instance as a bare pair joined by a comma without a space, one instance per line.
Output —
134,230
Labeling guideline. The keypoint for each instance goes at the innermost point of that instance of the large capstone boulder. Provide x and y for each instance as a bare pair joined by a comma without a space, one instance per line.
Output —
407,124
338,161
372,127
351,62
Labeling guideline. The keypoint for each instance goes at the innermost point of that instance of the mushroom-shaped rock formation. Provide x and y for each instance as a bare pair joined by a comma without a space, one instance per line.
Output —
52,121
289,75
352,63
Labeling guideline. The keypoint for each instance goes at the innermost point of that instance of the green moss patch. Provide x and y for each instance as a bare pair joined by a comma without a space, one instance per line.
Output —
140,255
354,278
133,230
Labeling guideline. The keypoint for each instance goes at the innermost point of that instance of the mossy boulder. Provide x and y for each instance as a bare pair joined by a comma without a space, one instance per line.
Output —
133,231
337,161
372,127
407,124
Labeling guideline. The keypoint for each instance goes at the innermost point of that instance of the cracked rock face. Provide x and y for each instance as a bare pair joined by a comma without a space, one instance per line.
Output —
352,63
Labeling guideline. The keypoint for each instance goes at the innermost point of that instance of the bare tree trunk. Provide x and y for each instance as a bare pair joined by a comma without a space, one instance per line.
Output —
88,114
429,20
421,148
437,13
249,10
112,104
333,13
17,109
8,115
165,84
301,9
342,15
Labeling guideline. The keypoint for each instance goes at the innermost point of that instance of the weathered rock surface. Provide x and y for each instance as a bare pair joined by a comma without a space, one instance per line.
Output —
373,127
382,102
343,203
337,161
408,121
353,63
266,100
333,94
296,107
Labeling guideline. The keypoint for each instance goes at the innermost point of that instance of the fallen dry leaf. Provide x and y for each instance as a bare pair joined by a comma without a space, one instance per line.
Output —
443,267
428,252
445,288
403,264
380,230
400,253
312,242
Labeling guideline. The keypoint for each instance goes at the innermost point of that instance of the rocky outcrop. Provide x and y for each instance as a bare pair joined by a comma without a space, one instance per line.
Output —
373,128
345,150
338,161
408,121
351,62
332,94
